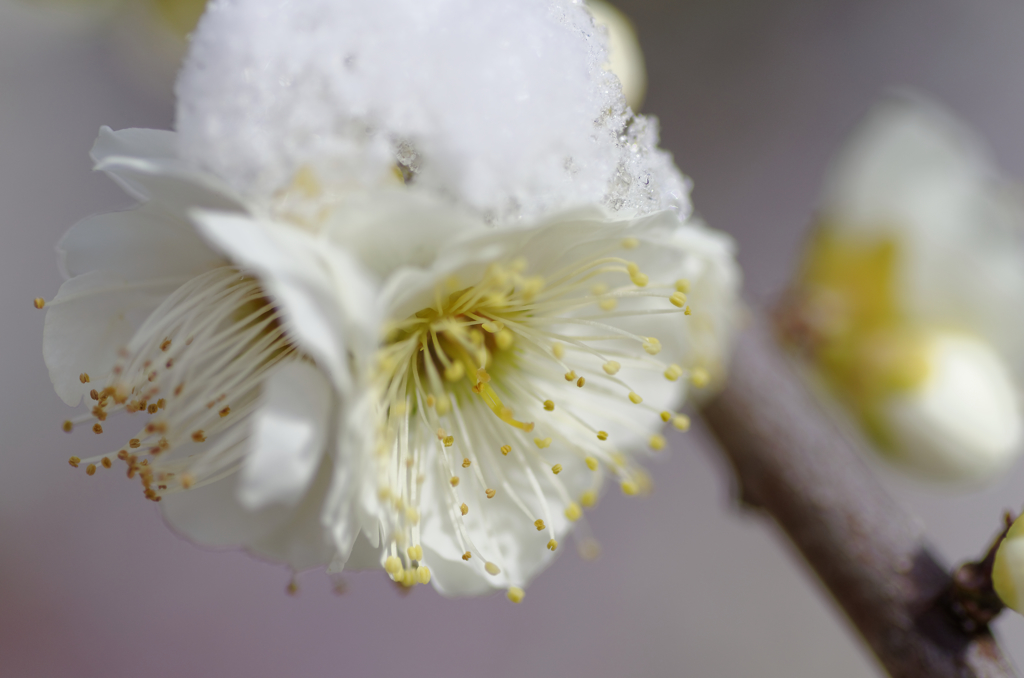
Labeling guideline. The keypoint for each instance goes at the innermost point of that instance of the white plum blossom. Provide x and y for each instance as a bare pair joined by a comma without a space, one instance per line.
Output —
347,358
908,297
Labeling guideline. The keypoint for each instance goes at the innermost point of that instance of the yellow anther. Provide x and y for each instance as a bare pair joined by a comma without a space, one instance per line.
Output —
504,339
629,487
598,289
580,382
199,436
415,552
573,512
542,442
602,435
666,415
94,394
454,480
678,299
96,428
393,565
515,594
464,508
588,498
412,515
39,302
84,378
699,377
688,311
423,574
635,398
448,441
187,481
630,243
552,545
492,327
467,555
105,461
443,406
558,350
408,578
673,372
570,376
441,433
491,568
90,469
640,279
609,304
611,367
683,285
681,422
592,463
466,462
74,461
652,345
556,469
430,401
539,524
505,449
490,493
67,426
549,405
632,268
225,412
482,376
455,371
657,442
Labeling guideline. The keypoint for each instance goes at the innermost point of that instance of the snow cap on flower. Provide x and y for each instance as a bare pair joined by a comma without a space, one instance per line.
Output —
504,106
908,296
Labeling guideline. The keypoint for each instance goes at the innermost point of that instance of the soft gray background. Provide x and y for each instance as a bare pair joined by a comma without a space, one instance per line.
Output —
753,97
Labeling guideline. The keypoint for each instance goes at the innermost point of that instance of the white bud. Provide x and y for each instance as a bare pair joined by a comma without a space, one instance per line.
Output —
1008,568
625,58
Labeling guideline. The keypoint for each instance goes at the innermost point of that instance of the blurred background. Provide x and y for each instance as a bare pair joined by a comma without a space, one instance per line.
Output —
753,99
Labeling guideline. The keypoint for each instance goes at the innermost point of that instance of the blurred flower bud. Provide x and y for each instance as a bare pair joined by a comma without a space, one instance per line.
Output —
1008,569
625,58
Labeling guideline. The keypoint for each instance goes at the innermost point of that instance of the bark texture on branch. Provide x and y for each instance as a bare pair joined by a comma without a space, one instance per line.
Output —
792,461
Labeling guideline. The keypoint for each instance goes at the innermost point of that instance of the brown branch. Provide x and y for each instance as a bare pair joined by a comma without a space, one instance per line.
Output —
792,461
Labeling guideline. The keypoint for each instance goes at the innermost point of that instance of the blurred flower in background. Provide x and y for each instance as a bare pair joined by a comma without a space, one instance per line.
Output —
907,300
386,296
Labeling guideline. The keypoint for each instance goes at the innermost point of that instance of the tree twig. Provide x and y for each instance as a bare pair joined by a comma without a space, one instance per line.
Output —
792,461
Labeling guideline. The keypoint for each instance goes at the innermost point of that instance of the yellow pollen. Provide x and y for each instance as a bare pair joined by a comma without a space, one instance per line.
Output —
152,408
542,442
629,487
609,304
482,376
552,545
558,350
455,371
105,461
464,508
492,327
393,565
580,382
556,469
491,568
423,574
688,311
504,340
632,268
588,498
652,346
430,401
443,406
505,449
678,299
74,461
412,515
539,524
165,345
199,436
570,376
515,594
699,377
225,412
466,462
94,394
67,426
84,378
467,555
134,443
90,469
549,405
611,367
630,243
592,463
681,422
673,372
635,398
96,428
454,481
490,493
683,285
408,578
602,435
657,442
39,302
640,279
162,404
448,441
666,415
573,512
416,552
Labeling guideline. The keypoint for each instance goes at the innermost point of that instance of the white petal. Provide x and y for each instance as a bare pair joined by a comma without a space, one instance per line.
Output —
136,142
288,438
92,316
327,300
